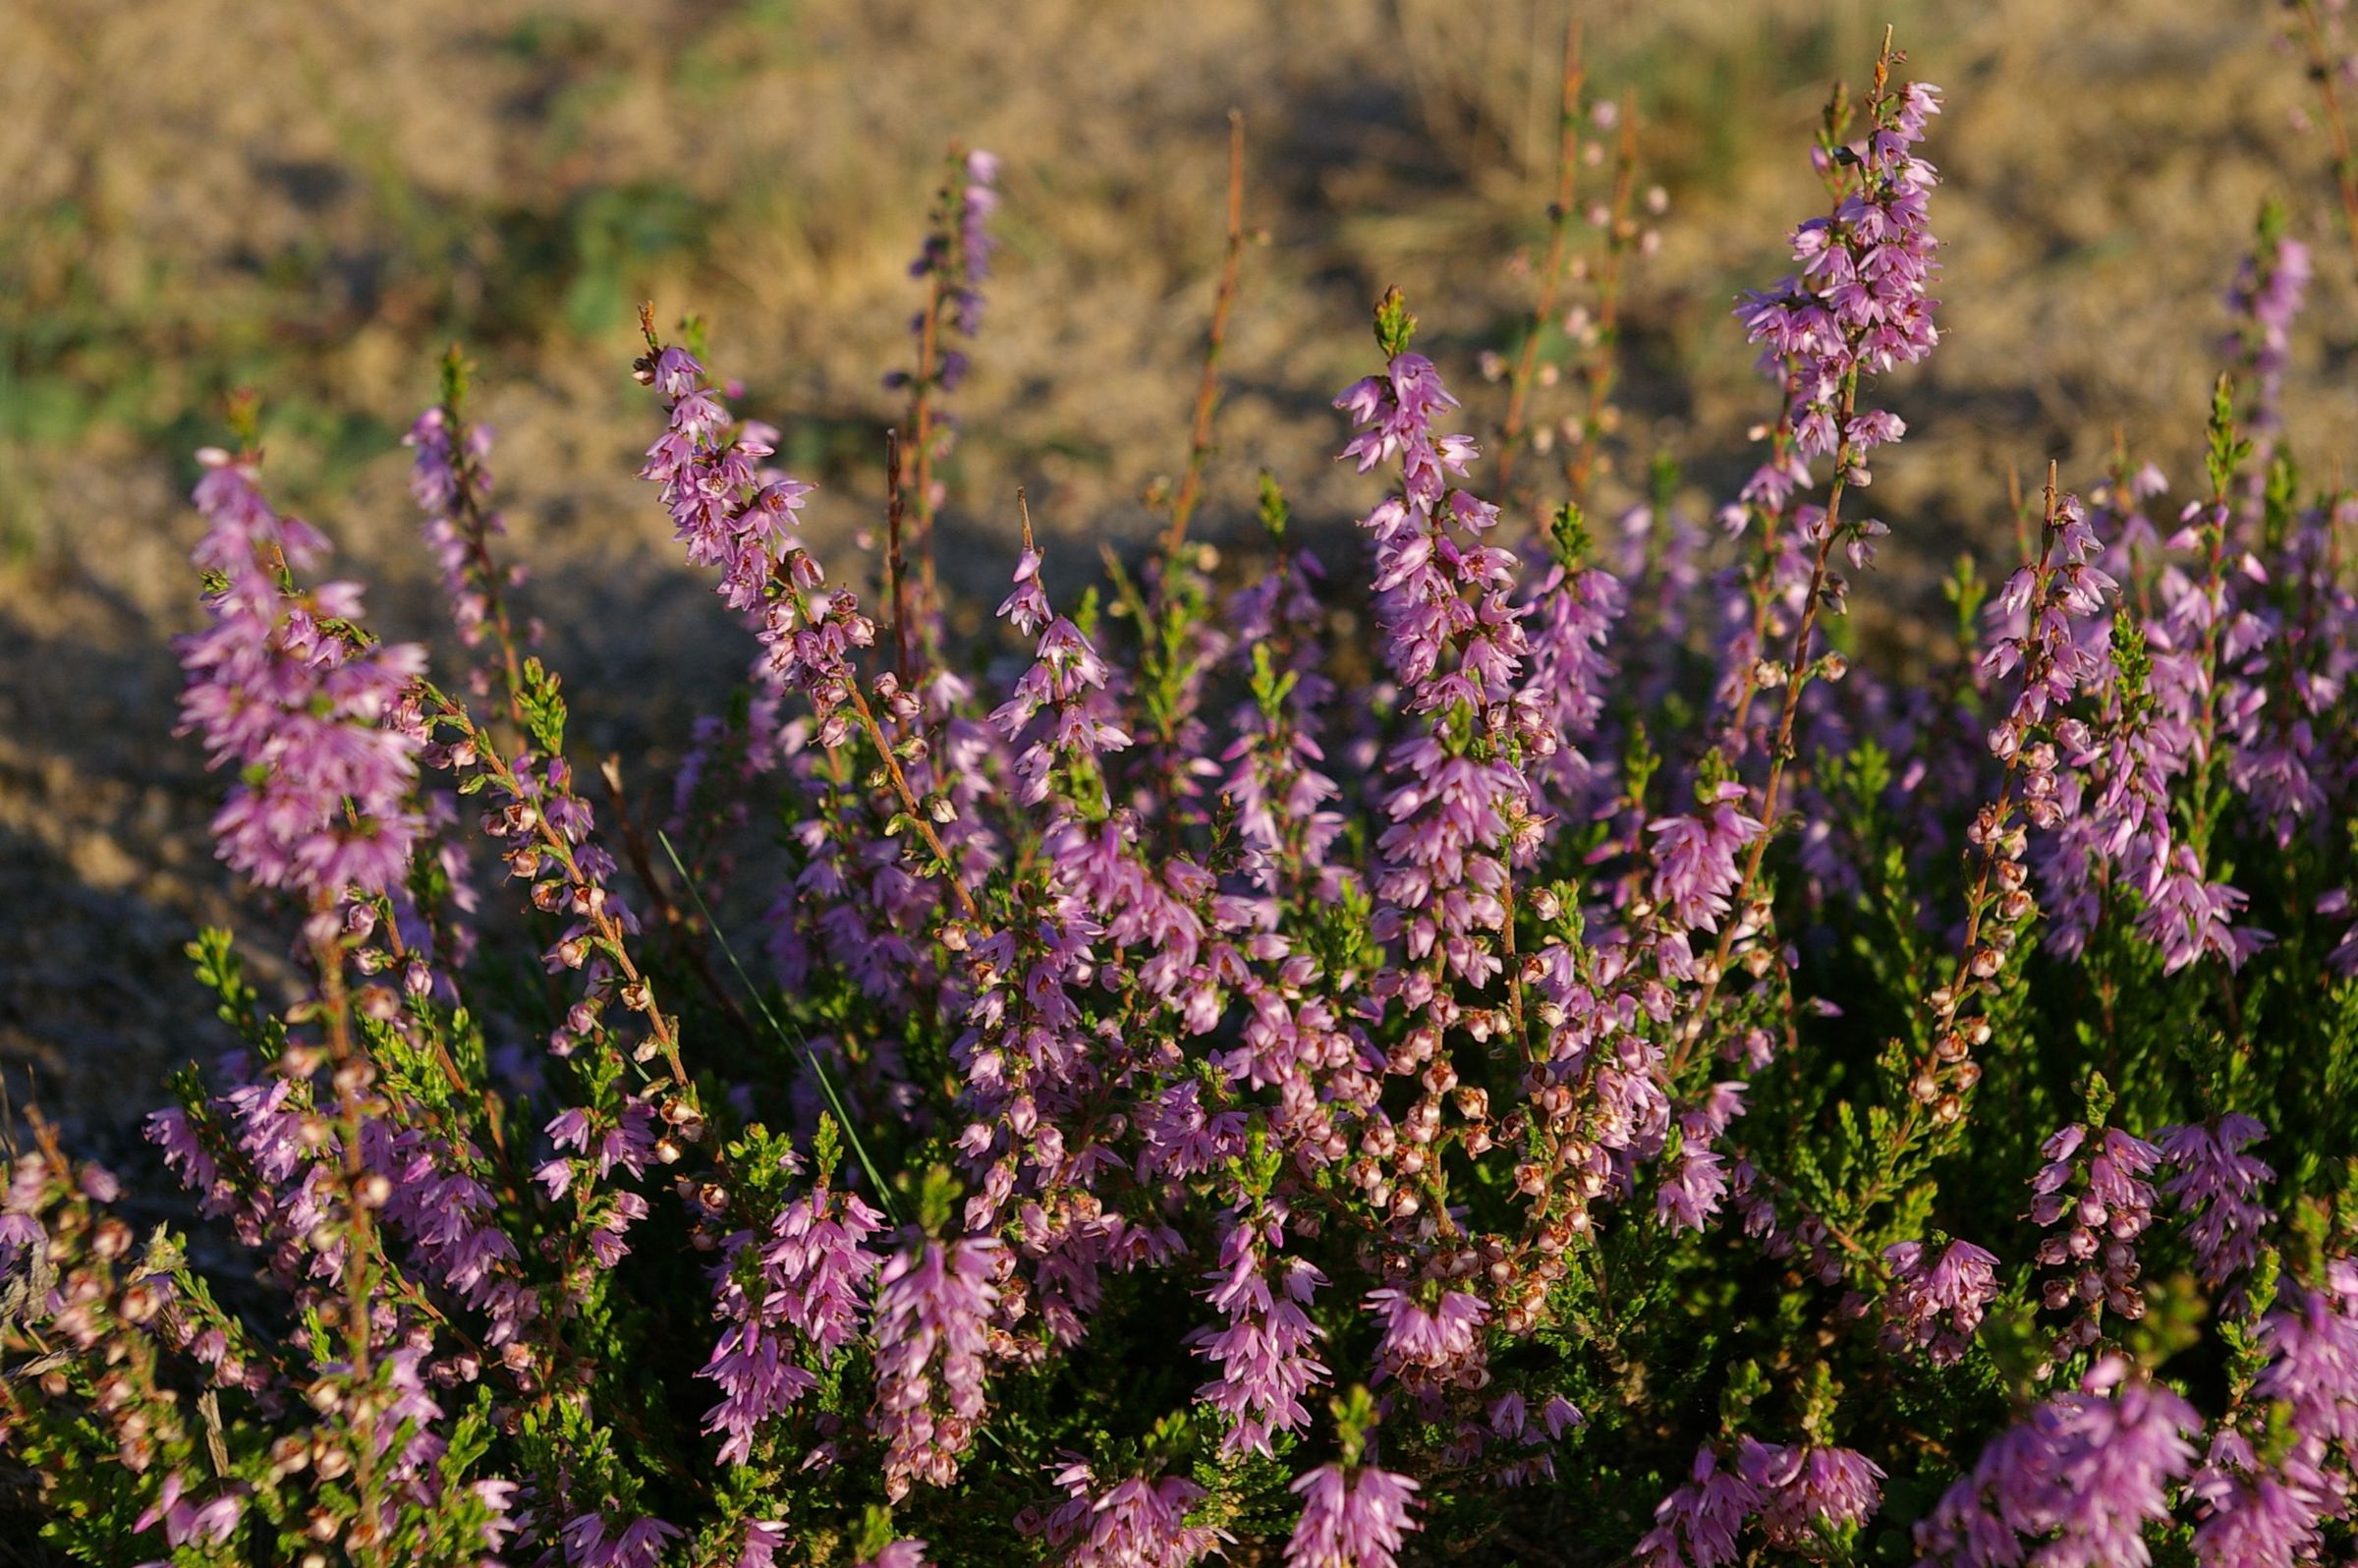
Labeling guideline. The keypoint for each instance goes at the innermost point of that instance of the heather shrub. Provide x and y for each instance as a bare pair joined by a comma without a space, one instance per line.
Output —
1509,1041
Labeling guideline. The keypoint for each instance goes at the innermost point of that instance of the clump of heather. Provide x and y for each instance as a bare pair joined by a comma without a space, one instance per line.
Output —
1486,1027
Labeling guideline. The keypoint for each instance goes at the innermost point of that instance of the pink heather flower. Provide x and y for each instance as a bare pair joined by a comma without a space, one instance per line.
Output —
2338,903
1695,860
2096,1205
1053,714
1809,1491
470,583
907,1552
963,256
1136,1524
2217,1185
2038,620
813,1273
441,1205
932,1306
1934,1303
301,710
1350,1518
187,1522
188,1158
2256,1511
1424,1343
729,512
1276,776
1695,1182
1265,1353
763,1539
1696,1526
2311,1344
2201,644
2189,916
1461,807
2252,1513
1026,609
21,1210
1571,614
1861,299
639,1545
735,515
2085,1473
2269,290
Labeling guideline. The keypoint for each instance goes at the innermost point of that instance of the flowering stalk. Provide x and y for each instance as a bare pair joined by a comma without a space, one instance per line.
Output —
954,263
1859,306
1207,388
2325,69
1600,367
2054,596
1551,270
451,482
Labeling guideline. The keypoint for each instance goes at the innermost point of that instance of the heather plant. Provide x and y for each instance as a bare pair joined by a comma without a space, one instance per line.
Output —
1508,1040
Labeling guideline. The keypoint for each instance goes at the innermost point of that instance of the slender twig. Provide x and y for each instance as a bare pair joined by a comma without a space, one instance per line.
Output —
2323,67
1782,752
352,1074
600,919
1949,1000
1601,367
1551,270
475,530
896,580
1208,390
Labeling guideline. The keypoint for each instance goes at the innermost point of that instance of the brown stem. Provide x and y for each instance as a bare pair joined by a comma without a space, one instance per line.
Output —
921,438
1208,390
360,1240
1551,271
2346,169
1600,368
908,802
601,922
1795,680
896,580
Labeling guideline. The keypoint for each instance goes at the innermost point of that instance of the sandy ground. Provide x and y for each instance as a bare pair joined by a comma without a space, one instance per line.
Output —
312,198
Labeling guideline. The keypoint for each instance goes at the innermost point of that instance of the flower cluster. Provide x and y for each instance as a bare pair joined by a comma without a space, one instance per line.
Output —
2092,1195
2084,1473
1936,1297
296,704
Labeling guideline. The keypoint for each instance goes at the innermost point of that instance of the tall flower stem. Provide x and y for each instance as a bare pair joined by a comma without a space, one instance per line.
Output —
2323,67
475,529
1772,790
661,1027
1551,270
1600,367
896,576
353,1076
1208,389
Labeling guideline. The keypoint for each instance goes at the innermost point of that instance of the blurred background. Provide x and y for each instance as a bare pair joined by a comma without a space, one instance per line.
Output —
312,198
